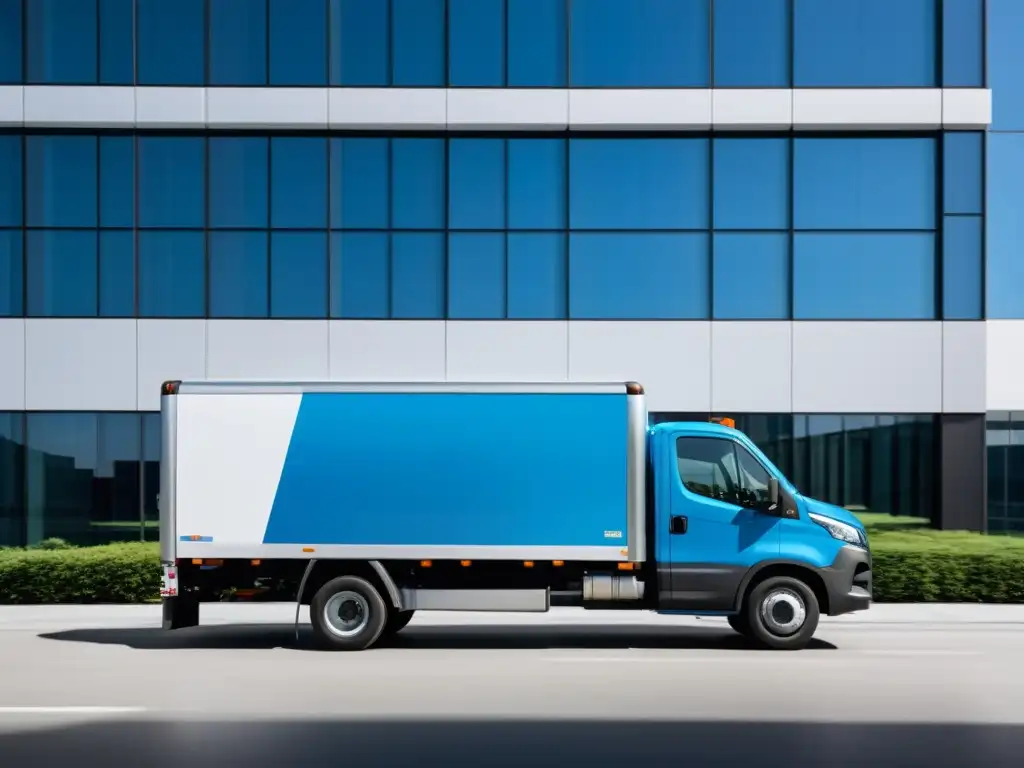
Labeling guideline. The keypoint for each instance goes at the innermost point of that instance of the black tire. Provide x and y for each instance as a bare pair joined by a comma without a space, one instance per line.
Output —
738,621
773,610
362,614
180,612
397,621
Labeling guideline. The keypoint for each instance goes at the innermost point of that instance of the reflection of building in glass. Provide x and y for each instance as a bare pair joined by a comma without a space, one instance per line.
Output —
1005,439
874,463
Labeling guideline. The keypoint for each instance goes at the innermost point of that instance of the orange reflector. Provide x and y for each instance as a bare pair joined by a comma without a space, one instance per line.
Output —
255,562
528,564
215,562
725,421
465,563
557,563
425,563
197,561
308,549
625,566
194,537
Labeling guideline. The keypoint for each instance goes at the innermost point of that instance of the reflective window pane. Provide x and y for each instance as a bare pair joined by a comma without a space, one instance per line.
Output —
172,181
10,42
638,184
117,42
417,276
12,479
298,173
476,276
537,275
172,274
962,268
476,43
751,43
1005,22
476,184
62,37
239,274
963,43
360,270
417,43
962,172
751,276
639,43
864,276
868,43
298,42
11,273
751,189
359,183
298,274
10,181
417,183
117,273
639,276
61,269
360,46
61,181
536,43
117,181
1004,244
151,451
238,42
85,477
171,42
536,184
239,177
864,183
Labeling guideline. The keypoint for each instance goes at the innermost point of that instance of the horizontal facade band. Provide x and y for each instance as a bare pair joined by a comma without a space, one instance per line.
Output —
745,367
497,109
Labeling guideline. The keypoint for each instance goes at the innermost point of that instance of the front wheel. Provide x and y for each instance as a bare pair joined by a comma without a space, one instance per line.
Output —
782,613
738,621
347,614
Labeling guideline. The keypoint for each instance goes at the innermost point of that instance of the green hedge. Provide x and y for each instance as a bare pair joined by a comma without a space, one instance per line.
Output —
115,573
912,563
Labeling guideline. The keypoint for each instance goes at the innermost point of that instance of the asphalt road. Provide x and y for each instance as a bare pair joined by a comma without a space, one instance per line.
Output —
896,686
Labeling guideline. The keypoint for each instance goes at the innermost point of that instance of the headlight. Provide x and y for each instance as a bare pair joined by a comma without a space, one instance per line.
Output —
841,531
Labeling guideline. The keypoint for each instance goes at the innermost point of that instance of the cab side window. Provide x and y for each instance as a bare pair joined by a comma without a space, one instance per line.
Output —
722,470
707,467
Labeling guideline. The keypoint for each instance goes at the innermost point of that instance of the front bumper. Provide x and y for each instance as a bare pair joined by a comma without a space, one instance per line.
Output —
848,581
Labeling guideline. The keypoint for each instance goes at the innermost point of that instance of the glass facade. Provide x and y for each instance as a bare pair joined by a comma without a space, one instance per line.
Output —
94,477
494,43
874,463
1004,438
88,478
765,227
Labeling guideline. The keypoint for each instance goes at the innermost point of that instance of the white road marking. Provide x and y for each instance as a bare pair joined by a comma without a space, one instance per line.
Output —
69,710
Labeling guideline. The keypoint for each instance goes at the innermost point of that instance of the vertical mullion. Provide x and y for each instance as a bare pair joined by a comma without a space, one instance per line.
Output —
268,249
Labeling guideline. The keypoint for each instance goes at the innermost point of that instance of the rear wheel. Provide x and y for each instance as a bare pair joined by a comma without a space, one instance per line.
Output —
397,621
782,613
347,614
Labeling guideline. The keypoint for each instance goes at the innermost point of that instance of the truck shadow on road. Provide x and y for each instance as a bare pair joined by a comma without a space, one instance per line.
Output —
435,637
168,741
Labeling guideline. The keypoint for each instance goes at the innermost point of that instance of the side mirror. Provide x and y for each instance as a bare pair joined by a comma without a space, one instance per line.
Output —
774,497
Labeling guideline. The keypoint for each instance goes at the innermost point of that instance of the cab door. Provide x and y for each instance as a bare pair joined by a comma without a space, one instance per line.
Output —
719,524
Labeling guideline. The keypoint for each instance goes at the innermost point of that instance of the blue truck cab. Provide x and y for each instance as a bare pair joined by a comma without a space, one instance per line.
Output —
733,536
372,501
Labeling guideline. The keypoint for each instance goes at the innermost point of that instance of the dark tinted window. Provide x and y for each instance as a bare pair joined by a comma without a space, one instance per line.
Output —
721,470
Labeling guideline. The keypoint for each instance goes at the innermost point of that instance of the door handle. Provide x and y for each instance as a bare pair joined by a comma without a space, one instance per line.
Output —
678,524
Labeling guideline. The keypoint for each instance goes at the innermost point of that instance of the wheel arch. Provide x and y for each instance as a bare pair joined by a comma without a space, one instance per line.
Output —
804,572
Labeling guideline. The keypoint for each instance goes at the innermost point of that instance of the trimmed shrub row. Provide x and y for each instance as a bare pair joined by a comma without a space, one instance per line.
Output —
908,568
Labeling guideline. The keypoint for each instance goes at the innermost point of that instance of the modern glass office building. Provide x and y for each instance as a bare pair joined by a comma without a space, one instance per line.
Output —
803,214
